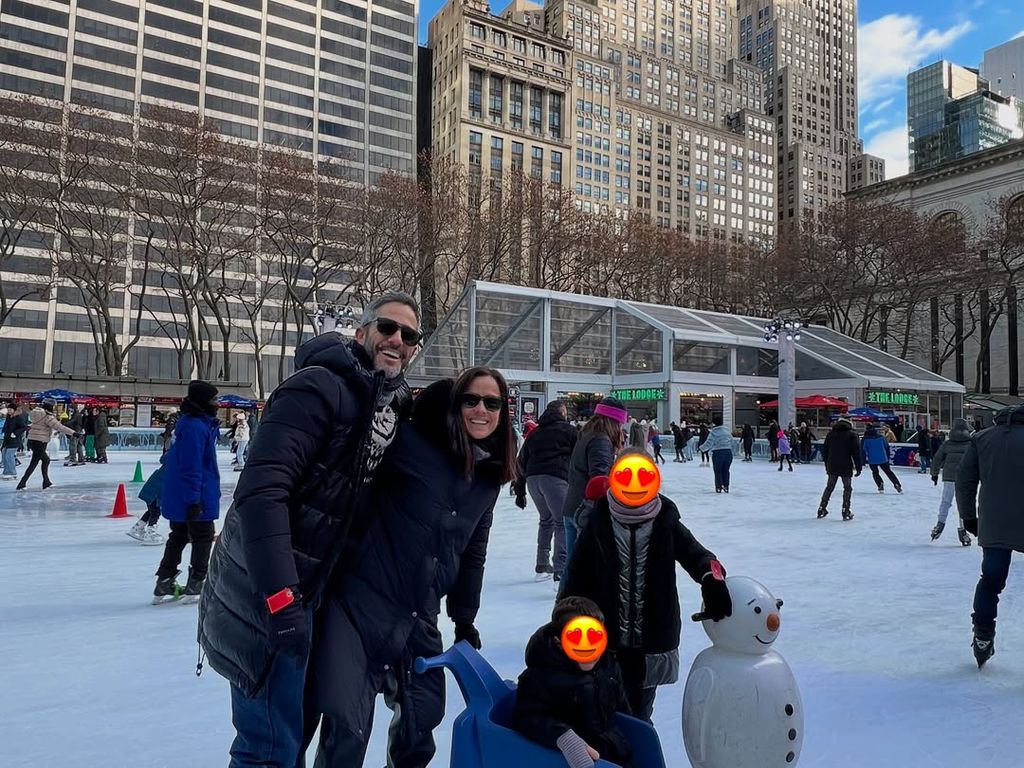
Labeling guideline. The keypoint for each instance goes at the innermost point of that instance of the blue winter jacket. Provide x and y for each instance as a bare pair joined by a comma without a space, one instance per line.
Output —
190,470
153,489
875,447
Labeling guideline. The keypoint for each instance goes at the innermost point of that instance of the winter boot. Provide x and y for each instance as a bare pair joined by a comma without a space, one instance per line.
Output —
193,588
984,646
847,514
167,590
938,529
964,536
822,512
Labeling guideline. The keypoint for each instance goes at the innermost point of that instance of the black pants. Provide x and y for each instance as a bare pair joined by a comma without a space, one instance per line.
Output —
748,451
888,473
657,454
418,705
785,457
200,535
39,456
152,514
634,668
995,567
831,486
101,454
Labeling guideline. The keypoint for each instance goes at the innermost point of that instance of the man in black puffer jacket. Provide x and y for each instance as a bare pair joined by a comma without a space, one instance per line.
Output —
843,455
298,500
995,459
544,471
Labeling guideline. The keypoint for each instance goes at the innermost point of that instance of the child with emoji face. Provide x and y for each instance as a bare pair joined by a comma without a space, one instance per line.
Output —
625,562
571,689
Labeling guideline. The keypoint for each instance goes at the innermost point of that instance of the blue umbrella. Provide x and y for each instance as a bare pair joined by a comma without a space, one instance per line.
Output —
60,395
234,401
867,414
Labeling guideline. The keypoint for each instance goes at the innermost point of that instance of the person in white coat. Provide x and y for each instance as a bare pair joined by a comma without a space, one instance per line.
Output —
241,440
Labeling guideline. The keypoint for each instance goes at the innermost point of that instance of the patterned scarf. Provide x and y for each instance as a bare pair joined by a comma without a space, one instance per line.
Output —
630,515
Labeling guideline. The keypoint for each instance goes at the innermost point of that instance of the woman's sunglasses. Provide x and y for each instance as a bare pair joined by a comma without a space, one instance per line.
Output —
470,400
410,336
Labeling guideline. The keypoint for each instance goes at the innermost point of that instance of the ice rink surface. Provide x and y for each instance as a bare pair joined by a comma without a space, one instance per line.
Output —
876,625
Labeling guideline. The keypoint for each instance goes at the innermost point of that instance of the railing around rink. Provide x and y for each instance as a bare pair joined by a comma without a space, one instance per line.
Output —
146,439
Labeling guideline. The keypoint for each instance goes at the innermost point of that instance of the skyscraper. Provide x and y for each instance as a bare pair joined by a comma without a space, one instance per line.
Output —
951,113
1003,67
808,54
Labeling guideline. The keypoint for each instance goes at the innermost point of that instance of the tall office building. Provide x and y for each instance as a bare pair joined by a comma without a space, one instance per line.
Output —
808,53
1003,67
322,78
952,113
653,113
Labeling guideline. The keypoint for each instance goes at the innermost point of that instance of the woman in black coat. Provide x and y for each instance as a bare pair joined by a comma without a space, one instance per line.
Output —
432,509
747,439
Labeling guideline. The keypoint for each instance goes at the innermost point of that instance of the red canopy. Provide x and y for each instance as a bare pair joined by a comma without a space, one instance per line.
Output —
812,401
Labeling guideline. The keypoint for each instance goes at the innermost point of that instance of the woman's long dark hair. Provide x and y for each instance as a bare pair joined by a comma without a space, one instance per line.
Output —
602,425
502,442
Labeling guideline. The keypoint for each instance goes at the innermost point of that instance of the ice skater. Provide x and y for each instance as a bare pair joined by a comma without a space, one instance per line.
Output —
947,461
785,451
42,426
719,445
241,440
843,460
876,456
144,530
677,442
656,444
747,441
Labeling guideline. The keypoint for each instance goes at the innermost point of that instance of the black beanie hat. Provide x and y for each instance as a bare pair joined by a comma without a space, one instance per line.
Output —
201,392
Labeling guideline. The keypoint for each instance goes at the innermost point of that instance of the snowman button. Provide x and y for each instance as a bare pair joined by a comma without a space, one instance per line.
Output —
790,757
792,734
789,710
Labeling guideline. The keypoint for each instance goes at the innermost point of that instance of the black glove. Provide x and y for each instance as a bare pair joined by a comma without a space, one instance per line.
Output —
467,632
521,502
193,511
935,479
717,600
288,630
971,526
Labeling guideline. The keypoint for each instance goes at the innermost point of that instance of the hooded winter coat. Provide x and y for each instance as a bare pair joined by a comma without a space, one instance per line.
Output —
951,452
548,449
554,695
719,439
42,425
427,540
191,465
294,503
14,430
841,451
995,459
875,447
101,430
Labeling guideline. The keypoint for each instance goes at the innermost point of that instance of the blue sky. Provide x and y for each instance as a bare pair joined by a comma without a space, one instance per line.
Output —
896,36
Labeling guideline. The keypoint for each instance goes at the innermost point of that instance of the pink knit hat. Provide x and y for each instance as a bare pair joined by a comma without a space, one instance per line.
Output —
613,409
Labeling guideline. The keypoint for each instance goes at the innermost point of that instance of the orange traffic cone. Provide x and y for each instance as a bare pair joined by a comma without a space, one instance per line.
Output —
120,504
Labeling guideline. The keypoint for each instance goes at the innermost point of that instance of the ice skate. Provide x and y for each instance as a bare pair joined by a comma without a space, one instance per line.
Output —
193,588
543,573
136,531
937,530
847,514
881,489
899,489
964,536
822,512
151,537
167,591
984,649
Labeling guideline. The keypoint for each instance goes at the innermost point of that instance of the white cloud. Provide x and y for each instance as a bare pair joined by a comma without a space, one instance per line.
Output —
883,105
891,145
1019,34
889,47
873,126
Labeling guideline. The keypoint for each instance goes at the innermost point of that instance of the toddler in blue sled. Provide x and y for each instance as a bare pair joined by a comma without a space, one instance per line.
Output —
564,702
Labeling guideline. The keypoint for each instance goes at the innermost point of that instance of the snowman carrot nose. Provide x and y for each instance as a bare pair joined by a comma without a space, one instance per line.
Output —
773,622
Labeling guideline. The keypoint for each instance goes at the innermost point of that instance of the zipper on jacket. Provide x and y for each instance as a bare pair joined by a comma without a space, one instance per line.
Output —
632,586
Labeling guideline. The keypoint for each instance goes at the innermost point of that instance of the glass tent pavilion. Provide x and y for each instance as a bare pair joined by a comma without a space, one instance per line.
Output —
667,363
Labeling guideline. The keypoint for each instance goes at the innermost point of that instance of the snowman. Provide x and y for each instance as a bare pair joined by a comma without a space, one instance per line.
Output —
741,705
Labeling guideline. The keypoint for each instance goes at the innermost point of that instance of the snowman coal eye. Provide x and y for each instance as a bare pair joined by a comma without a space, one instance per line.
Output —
757,609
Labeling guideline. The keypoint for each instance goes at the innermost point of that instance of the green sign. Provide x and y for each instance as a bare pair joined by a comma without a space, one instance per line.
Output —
893,398
628,395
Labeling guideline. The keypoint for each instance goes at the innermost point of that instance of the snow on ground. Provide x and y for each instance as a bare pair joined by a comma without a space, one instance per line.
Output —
876,625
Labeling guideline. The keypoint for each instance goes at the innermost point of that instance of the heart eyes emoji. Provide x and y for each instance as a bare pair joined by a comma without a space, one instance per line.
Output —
584,640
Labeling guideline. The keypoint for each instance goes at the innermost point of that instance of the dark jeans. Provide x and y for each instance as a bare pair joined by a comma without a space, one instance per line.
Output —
268,726
657,454
679,450
571,532
888,473
548,495
39,456
785,457
721,460
76,449
995,566
634,668
831,486
200,535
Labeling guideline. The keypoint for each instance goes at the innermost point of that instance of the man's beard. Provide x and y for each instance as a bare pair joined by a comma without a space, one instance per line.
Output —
389,373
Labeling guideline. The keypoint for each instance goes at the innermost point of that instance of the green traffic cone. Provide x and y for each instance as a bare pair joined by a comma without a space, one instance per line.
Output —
138,473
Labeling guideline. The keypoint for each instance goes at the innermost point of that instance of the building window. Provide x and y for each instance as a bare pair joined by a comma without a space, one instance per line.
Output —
555,115
497,156
515,105
517,156
536,102
478,31
476,98
496,99
518,45
556,168
537,162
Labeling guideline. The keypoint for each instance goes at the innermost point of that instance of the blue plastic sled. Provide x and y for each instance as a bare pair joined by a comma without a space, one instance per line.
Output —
482,736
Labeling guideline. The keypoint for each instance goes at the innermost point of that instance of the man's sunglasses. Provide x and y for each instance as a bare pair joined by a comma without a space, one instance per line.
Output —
410,336
469,400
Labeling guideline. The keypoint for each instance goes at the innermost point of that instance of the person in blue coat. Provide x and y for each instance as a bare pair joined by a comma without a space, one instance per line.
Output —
190,498
876,456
